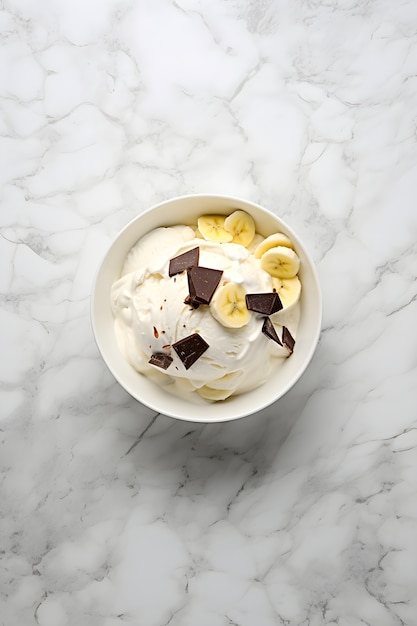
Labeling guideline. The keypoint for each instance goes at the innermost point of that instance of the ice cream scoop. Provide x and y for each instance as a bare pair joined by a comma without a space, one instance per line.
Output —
158,305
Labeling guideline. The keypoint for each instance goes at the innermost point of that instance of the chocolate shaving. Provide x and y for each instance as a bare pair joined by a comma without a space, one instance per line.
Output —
160,359
190,349
184,261
268,329
155,332
265,303
202,283
288,340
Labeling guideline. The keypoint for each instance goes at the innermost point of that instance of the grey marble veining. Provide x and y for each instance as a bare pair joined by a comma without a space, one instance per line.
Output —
304,514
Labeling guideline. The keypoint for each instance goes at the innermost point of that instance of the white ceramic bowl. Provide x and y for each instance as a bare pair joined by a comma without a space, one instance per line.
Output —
185,210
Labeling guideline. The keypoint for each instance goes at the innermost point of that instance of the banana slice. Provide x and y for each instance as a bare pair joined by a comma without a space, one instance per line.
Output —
228,306
288,289
242,226
221,388
277,239
255,243
197,233
209,393
280,262
212,228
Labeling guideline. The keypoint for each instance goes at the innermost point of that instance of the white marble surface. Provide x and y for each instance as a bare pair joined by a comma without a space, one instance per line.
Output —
304,514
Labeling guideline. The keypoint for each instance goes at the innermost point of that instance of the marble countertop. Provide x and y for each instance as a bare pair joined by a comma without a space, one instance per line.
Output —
304,514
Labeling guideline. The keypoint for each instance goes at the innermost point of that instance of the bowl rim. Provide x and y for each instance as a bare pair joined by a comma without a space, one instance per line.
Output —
203,418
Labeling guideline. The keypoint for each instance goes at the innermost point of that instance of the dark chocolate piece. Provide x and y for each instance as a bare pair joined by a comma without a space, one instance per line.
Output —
192,303
190,349
288,340
160,359
184,261
268,329
265,303
202,283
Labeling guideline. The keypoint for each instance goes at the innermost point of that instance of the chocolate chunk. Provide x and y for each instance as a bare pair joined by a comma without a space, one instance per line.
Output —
268,329
266,303
192,303
190,349
288,340
184,261
202,283
160,359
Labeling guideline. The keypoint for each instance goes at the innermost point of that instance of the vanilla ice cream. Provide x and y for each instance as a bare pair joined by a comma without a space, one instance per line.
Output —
153,312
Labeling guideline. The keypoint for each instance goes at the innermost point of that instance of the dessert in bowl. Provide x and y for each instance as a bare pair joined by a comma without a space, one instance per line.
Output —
206,308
